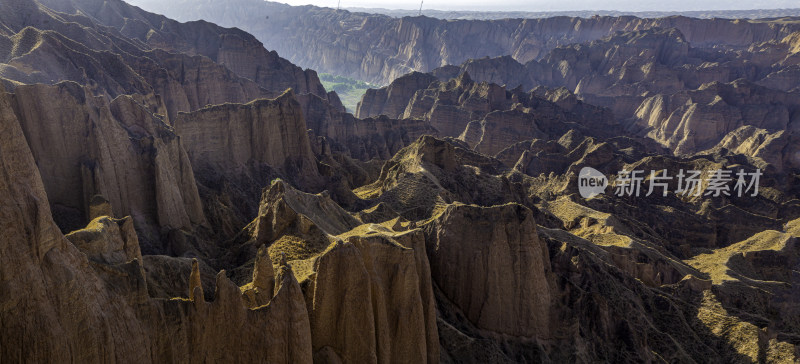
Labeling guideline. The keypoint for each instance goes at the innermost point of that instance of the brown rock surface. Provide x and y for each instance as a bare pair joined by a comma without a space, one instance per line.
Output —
392,100
262,132
380,48
477,249
389,303
295,223
691,121
431,172
779,149
261,290
64,295
486,116
369,294
490,263
238,51
132,158
365,138
108,241
109,64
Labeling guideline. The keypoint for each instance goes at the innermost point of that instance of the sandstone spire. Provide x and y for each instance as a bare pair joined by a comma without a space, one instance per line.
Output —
195,284
263,273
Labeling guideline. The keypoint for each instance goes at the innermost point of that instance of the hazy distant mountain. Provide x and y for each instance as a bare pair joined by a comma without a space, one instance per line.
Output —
534,9
489,15
378,48
538,6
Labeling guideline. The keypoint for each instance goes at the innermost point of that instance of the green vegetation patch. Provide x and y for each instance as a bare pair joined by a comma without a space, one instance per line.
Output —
349,90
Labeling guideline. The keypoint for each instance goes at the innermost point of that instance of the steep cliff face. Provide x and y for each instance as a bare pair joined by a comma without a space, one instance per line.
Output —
85,146
108,241
379,287
171,82
364,137
288,230
237,149
183,83
497,252
258,134
393,99
235,49
379,48
53,293
779,149
691,121
618,71
486,116
43,264
606,259
636,75
367,287
175,67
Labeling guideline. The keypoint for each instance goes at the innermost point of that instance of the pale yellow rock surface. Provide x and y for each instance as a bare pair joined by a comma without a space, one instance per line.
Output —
108,240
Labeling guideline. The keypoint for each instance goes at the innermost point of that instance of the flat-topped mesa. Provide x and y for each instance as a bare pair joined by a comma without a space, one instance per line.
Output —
262,134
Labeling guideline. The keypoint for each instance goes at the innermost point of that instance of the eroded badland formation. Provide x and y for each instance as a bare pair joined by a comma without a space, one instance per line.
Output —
175,192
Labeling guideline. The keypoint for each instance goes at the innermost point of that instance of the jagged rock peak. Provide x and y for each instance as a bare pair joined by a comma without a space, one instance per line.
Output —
195,284
263,273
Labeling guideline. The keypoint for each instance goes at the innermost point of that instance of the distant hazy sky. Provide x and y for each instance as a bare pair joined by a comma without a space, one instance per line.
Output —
556,5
